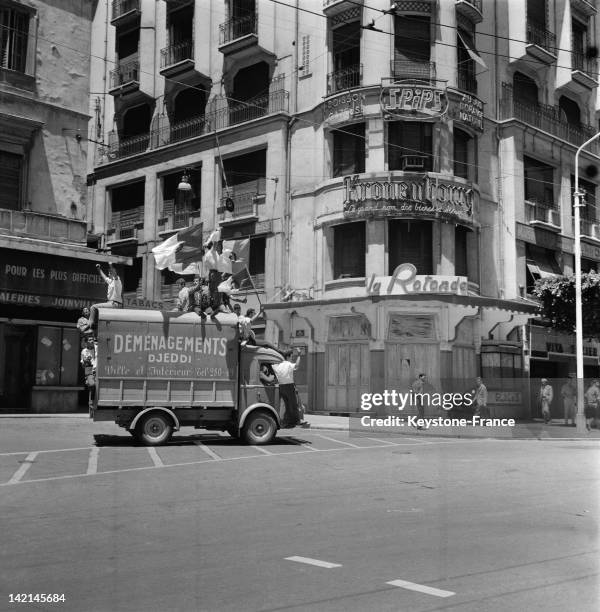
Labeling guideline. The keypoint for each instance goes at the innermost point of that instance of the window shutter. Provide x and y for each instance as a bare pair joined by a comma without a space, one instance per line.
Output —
10,180
306,55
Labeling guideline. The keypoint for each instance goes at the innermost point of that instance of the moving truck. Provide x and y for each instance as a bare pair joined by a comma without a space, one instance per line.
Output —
158,371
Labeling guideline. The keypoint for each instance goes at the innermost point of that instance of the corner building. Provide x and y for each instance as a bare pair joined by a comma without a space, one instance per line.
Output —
402,173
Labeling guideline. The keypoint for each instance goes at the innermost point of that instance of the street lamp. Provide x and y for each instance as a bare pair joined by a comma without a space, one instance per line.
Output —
579,416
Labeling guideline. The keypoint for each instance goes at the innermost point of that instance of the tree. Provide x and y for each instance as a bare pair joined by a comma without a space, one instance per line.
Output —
557,296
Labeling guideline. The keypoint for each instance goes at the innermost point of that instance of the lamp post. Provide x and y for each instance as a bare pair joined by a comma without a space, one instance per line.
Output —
577,204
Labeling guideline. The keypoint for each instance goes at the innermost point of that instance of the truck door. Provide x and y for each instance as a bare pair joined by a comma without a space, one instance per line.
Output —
252,389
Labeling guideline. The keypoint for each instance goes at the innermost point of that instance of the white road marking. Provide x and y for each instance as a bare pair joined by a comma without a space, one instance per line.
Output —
338,441
386,442
207,461
317,562
22,470
93,460
158,462
207,450
421,588
263,450
52,450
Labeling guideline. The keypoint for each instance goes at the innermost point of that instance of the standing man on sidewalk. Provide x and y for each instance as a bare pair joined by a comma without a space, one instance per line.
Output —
569,394
480,395
546,396
418,388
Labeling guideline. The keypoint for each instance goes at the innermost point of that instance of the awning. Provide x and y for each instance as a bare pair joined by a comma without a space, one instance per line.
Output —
543,267
470,47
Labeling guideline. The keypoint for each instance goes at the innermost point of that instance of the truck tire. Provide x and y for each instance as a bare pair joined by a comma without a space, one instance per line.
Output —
260,428
154,429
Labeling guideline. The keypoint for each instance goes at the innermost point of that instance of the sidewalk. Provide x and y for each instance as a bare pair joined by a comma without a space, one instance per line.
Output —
530,430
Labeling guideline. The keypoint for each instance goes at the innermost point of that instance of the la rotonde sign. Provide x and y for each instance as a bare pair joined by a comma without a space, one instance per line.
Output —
406,281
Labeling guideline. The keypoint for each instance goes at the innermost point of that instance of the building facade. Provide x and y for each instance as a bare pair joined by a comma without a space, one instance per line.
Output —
402,171
47,271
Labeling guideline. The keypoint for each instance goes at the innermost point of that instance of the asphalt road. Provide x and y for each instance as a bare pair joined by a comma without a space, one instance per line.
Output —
317,521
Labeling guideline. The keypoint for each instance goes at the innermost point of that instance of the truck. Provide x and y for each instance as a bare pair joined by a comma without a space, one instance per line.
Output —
158,371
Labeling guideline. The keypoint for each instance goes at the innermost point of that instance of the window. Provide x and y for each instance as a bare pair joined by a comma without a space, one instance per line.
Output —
410,146
570,111
180,204
349,249
525,90
127,209
464,155
11,170
466,55
346,46
536,13
128,43
246,173
256,260
539,182
580,44
412,38
132,276
411,242
460,251
14,39
540,263
349,150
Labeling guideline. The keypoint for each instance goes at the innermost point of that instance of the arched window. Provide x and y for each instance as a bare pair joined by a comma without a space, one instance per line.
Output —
570,109
188,104
136,121
525,90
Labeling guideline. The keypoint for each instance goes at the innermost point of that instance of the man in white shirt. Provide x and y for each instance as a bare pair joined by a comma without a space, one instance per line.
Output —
114,294
88,363
287,389
183,296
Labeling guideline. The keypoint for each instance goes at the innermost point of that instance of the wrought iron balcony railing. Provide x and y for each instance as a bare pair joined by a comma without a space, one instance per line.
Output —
537,35
238,27
178,52
346,78
466,82
413,69
584,64
122,7
125,223
546,118
125,72
163,135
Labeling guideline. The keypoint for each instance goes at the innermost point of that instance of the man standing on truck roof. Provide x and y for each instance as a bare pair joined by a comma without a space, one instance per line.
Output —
114,294
287,389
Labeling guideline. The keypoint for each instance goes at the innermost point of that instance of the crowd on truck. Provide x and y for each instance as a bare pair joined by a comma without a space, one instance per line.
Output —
206,296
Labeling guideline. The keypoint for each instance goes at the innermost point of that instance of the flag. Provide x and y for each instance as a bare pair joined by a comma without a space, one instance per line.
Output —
241,275
237,250
184,247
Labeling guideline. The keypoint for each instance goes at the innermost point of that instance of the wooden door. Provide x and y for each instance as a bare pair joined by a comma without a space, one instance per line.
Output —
348,374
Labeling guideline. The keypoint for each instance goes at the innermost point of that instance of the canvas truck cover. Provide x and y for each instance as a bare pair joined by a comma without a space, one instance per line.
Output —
160,358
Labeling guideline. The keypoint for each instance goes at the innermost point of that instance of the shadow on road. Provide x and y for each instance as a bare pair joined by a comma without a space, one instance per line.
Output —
213,438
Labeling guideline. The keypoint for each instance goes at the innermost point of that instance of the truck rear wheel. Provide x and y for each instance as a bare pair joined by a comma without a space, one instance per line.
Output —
154,429
260,428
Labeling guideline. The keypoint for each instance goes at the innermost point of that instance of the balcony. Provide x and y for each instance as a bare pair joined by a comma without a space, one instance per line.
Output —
165,135
126,147
346,78
589,228
125,78
30,224
583,72
334,7
124,225
541,43
412,69
238,34
177,59
124,11
247,197
545,118
536,213
471,9
413,163
585,7
177,217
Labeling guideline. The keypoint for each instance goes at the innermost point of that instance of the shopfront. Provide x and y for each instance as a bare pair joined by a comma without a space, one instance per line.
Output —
41,297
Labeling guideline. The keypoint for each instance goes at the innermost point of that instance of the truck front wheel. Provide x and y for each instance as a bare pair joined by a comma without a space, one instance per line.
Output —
260,428
154,429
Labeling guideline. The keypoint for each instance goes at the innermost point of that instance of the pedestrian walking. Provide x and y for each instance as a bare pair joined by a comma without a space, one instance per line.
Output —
592,404
569,394
546,395
480,397
88,362
418,388
114,294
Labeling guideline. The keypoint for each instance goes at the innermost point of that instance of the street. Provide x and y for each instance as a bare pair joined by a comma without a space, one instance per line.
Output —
316,521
